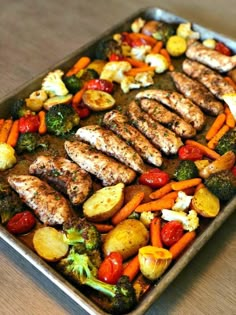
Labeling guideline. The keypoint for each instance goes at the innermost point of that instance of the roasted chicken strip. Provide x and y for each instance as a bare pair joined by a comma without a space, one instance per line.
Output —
161,114
177,102
107,169
64,175
163,138
211,79
210,57
197,93
109,143
119,124
48,204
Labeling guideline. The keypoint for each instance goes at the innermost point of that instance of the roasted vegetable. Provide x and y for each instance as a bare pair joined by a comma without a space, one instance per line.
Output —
206,203
19,109
73,83
227,143
28,142
7,156
98,100
164,31
21,223
61,119
222,184
176,46
87,74
120,298
190,221
53,84
106,48
186,170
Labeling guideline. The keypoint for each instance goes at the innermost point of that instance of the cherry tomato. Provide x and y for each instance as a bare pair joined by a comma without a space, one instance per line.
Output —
21,222
223,49
189,152
125,38
234,170
138,42
111,268
171,232
29,123
115,57
154,178
100,84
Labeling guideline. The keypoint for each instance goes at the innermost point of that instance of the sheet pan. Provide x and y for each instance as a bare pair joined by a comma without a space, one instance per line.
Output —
203,237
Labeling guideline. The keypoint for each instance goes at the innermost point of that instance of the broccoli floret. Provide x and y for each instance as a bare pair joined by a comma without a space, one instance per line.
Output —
86,75
61,119
28,142
53,84
73,83
222,184
106,48
164,31
81,232
80,269
19,109
227,143
186,170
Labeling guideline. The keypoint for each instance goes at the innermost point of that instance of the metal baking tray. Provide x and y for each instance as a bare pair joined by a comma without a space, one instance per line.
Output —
149,298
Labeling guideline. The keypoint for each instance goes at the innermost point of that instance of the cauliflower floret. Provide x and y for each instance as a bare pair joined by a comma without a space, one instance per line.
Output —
140,52
190,221
182,202
53,84
158,61
184,30
146,217
140,80
137,25
129,83
145,78
209,43
115,71
7,156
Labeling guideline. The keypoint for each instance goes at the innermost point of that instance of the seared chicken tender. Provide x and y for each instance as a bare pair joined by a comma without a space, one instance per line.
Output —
48,204
210,57
109,143
119,124
64,175
211,79
177,102
107,169
197,93
159,113
163,138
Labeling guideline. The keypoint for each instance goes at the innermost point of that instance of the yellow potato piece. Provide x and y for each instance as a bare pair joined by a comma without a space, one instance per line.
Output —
176,46
206,203
98,100
104,203
49,244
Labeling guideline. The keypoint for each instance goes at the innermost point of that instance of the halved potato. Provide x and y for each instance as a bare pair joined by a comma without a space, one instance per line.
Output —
98,100
49,244
104,203
132,190
206,203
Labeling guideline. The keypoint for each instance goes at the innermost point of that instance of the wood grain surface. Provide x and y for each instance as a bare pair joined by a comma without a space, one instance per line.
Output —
34,35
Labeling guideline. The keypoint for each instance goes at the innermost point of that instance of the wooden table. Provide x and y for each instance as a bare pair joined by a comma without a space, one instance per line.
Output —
35,35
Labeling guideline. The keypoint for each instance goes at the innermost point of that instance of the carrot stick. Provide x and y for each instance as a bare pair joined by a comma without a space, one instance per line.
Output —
230,121
4,132
183,184
128,208
157,47
82,63
132,268
13,134
135,63
213,142
155,232
103,228
161,191
171,195
155,205
182,243
42,122
215,127
165,54
134,71
231,82
1,123
148,39
205,150
78,97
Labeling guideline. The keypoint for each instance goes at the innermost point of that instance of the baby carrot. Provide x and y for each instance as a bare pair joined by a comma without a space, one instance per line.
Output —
134,71
165,54
128,208
135,63
171,195
206,151
155,205
157,47
213,142
4,132
148,39
82,63
132,268
183,184
103,228
42,122
215,127
231,82
161,191
13,134
182,243
155,232
78,97
230,121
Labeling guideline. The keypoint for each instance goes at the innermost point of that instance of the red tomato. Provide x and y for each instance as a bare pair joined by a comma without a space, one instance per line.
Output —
138,42
115,57
100,84
29,124
111,268
223,49
234,170
125,38
154,178
171,232
21,222
189,152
